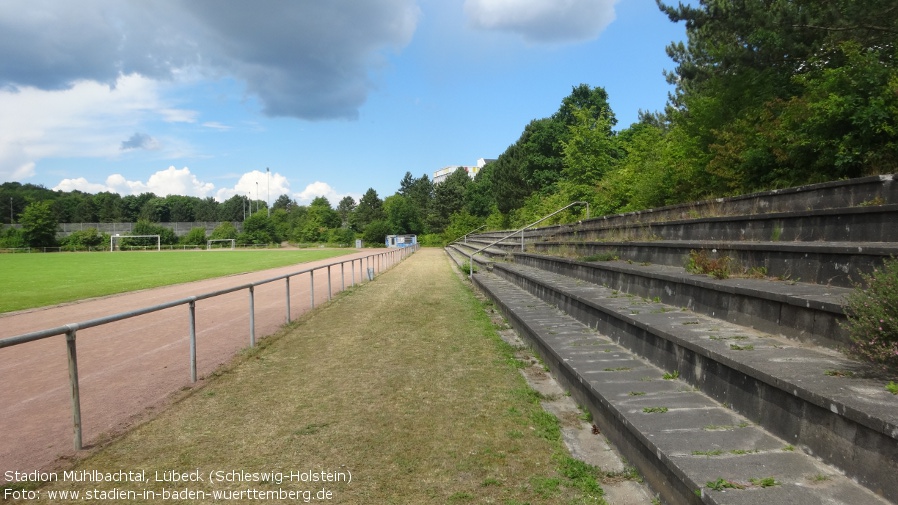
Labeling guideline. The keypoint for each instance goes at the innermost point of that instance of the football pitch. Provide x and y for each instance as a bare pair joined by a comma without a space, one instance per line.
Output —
37,280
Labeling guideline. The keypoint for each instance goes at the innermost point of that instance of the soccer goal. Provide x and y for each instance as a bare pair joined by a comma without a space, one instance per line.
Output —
120,238
232,241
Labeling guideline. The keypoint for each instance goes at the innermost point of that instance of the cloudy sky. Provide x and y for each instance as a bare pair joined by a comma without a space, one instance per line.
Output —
301,97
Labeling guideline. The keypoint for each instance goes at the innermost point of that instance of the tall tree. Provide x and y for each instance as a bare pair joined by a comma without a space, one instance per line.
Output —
39,225
767,88
369,209
448,198
205,209
109,207
345,208
402,215
284,202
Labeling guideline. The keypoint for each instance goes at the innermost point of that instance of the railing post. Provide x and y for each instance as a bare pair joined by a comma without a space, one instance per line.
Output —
342,276
312,287
252,318
73,382
329,289
192,312
288,298
352,270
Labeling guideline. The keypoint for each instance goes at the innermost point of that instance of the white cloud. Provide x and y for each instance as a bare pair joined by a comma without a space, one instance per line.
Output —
178,182
257,185
215,125
15,164
87,120
324,189
80,184
179,115
171,181
543,21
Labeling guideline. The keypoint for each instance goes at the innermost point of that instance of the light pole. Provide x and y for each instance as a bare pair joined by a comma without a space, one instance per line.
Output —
268,201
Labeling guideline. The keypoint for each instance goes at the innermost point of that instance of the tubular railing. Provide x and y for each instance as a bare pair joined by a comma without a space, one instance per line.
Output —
383,259
521,231
465,236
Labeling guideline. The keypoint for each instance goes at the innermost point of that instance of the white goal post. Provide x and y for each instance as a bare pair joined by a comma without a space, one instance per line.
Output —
231,240
121,237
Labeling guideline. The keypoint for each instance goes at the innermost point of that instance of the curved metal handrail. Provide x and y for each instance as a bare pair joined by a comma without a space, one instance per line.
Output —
521,231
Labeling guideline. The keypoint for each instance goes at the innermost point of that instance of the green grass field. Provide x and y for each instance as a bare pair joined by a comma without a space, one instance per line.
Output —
37,280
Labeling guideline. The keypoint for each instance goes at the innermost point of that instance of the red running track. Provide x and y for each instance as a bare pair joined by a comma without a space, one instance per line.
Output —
129,367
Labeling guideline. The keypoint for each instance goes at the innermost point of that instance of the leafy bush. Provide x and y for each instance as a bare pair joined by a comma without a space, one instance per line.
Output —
12,238
466,268
89,238
223,231
196,236
699,262
375,233
872,314
258,229
343,237
142,227
431,240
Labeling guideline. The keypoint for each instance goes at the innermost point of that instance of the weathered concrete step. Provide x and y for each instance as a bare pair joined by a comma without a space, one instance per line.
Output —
861,193
466,250
799,393
826,263
805,312
852,224
681,439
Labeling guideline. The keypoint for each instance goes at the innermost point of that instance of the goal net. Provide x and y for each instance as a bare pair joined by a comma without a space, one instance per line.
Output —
128,242
210,243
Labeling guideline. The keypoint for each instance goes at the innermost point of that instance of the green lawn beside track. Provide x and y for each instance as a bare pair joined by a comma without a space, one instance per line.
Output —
37,280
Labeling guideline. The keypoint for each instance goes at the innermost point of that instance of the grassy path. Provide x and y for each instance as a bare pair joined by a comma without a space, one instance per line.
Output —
401,384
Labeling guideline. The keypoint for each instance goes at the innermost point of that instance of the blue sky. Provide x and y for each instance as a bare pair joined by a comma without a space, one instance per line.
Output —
187,97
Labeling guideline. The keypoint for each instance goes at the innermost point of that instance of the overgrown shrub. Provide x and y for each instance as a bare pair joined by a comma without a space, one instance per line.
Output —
196,236
142,227
343,237
223,231
12,238
699,262
872,313
88,238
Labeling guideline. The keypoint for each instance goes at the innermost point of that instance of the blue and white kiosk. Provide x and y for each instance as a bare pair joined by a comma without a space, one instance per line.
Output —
401,241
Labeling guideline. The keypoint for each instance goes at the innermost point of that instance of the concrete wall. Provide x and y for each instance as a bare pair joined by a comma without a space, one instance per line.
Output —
181,228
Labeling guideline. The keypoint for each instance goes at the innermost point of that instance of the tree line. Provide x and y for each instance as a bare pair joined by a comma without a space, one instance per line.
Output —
767,94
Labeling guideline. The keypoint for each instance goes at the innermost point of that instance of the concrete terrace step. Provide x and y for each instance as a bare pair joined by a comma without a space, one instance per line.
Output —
853,224
680,438
827,263
805,312
850,423
861,192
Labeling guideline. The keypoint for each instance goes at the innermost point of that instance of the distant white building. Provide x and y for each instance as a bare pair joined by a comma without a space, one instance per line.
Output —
441,174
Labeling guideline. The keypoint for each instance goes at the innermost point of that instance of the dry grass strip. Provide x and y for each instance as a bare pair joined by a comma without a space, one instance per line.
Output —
401,383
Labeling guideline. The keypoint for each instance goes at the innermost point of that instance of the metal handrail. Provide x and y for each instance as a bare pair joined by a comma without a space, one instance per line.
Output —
465,236
521,230
70,330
